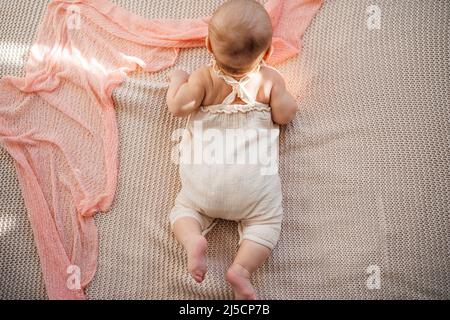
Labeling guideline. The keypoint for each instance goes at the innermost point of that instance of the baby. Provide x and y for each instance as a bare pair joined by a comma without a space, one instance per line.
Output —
236,92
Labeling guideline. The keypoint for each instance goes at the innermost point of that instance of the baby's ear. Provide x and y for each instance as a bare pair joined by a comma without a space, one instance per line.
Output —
208,44
268,53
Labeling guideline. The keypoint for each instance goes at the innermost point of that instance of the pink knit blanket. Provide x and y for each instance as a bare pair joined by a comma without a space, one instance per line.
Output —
59,124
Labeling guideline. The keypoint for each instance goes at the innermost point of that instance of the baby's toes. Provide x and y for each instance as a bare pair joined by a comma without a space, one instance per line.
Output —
197,273
199,278
240,282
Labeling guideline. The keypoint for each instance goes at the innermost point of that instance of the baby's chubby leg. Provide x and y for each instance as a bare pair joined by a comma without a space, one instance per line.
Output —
188,232
249,258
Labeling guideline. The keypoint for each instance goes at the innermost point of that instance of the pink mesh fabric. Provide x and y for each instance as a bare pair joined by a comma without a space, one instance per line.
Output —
59,125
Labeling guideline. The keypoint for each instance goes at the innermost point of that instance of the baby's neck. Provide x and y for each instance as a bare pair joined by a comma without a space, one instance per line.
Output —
238,77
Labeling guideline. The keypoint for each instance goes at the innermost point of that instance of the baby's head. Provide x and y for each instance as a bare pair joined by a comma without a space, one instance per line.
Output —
240,36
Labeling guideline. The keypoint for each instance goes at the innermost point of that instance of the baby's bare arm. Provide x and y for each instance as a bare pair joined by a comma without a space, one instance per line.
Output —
284,107
185,93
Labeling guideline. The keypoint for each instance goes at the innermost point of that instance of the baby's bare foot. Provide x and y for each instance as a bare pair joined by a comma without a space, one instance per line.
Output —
239,278
196,257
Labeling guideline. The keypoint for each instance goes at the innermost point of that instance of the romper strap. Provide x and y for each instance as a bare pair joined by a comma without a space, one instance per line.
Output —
239,89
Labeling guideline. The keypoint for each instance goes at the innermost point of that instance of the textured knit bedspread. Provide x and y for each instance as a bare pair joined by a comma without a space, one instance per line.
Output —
364,166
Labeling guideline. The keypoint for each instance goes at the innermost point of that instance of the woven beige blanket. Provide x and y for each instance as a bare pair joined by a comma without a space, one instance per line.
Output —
364,166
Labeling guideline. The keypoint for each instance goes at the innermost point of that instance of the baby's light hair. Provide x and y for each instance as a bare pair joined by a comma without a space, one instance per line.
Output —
240,31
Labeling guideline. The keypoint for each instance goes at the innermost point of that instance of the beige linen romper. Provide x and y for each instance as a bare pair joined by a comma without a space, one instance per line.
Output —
229,166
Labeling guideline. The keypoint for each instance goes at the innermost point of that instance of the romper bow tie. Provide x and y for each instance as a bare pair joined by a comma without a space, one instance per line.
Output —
238,86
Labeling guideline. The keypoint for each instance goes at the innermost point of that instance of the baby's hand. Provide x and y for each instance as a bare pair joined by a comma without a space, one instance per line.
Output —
185,92
179,76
